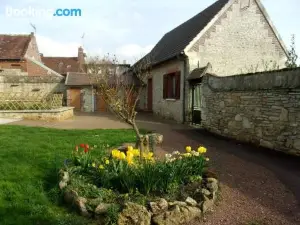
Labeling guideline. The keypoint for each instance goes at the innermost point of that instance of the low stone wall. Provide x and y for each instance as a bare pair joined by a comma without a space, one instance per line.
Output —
262,108
59,114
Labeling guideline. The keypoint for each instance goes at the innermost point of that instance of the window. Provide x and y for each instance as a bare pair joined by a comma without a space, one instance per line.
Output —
15,65
171,88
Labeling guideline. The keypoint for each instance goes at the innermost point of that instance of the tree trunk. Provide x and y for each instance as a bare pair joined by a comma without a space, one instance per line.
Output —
143,143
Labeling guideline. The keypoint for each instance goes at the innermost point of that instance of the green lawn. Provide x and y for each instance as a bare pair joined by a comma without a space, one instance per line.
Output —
29,161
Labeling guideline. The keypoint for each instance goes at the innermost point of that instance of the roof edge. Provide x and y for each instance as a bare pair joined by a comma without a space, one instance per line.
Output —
210,23
267,17
67,78
44,66
26,46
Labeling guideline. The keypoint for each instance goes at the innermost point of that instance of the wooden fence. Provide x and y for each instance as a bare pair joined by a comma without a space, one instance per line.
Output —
30,101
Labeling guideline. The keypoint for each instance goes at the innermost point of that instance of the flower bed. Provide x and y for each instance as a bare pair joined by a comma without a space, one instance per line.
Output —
136,188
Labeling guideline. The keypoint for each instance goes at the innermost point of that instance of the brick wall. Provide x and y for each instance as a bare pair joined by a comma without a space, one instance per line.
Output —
240,41
35,70
262,108
13,65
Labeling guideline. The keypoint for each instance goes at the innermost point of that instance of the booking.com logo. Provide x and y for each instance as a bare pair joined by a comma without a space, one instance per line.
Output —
38,12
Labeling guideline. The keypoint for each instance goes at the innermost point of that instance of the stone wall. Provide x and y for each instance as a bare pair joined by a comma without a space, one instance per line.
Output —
16,83
59,114
261,108
238,31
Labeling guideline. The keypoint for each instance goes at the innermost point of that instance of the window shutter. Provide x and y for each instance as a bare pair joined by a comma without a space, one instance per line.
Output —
165,87
177,83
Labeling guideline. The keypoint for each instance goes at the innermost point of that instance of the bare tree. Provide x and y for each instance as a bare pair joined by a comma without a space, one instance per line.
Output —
121,90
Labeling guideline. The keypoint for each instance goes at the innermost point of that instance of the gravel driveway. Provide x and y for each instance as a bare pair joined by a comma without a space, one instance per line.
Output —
257,185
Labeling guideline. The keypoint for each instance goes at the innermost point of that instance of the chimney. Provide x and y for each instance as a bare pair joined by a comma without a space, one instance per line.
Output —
81,60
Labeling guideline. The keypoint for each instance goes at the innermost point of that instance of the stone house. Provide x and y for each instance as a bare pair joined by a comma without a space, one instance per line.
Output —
226,38
20,54
63,65
82,93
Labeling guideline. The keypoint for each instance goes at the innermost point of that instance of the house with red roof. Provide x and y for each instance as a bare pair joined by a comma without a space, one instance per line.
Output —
21,53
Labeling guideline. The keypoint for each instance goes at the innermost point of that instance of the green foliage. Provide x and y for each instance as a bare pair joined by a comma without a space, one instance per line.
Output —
112,215
29,159
82,158
125,173
292,55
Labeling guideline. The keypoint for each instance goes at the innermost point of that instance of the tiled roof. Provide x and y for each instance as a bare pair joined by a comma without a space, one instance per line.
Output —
175,41
77,79
13,46
83,79
62,65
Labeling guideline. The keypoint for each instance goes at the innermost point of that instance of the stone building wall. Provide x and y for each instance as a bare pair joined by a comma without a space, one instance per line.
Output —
240,41
261,108
167,108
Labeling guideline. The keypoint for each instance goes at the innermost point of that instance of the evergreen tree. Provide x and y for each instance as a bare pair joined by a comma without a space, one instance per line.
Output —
292,56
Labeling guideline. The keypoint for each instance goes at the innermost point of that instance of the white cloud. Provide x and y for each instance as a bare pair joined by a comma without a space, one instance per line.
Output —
50,47
133,51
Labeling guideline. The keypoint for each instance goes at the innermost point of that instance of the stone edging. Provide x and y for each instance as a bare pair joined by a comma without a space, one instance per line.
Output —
160,212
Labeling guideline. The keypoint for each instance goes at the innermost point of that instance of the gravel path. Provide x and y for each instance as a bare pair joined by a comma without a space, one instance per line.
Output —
257,185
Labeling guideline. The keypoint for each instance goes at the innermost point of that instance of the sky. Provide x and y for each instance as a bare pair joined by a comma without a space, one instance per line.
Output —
127,28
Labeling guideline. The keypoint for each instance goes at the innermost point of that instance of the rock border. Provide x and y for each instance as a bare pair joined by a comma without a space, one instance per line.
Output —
160,212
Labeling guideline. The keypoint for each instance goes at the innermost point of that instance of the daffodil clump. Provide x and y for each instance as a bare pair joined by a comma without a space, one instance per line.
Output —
133,156
126,171
189,152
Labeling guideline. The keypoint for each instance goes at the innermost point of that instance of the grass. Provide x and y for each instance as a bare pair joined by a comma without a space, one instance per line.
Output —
29,161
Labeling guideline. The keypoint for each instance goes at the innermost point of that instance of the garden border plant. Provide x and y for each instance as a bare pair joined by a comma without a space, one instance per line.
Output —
133,187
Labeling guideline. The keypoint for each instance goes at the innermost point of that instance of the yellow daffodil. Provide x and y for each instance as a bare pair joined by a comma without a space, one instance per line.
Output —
93,164
129,148
188,148
136,152
101,167
206,159
202,150
129,160
187,154
148,156
122,155
116,154
106,161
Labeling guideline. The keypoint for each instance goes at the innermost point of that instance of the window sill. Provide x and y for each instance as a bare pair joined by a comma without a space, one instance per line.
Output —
171,99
